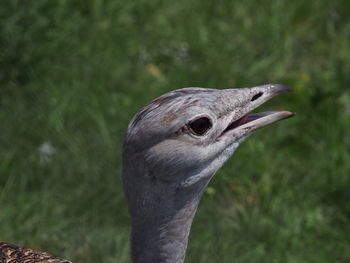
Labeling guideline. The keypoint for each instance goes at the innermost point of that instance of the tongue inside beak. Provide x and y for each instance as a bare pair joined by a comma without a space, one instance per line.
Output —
252,117
243,120
251,122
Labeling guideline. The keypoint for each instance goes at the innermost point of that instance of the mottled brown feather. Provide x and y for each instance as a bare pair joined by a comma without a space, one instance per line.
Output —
14,254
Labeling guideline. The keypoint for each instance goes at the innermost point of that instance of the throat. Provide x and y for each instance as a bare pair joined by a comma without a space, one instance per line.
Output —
162,234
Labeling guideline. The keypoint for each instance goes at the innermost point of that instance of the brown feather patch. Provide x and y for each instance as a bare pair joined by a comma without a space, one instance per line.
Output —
14,254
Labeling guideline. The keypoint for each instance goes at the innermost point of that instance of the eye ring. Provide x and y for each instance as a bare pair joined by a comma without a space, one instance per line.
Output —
200,126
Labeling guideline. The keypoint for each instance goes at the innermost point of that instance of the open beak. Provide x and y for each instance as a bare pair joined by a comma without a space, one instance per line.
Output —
253,122
247,123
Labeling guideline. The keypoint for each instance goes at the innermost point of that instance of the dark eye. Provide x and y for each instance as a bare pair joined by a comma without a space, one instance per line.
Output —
200,126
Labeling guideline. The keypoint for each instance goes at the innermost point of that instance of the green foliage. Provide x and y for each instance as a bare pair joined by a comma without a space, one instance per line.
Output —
72,74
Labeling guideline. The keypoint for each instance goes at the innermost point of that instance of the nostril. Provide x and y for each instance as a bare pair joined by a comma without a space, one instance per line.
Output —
256,96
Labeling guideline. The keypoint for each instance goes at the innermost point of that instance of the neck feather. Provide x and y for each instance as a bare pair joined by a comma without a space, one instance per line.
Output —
161,218
162,239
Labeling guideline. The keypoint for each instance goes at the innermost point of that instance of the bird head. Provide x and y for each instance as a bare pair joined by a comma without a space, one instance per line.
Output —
184,136
172,148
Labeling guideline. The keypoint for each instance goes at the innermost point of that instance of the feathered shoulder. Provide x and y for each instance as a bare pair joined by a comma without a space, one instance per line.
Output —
14,254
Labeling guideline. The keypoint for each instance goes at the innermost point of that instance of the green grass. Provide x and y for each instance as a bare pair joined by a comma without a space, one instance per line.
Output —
72,74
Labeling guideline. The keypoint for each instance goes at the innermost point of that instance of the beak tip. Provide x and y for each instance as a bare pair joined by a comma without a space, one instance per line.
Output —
281,88
289,114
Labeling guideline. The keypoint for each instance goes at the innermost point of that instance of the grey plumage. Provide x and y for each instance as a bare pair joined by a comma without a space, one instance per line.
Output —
171,150
167,166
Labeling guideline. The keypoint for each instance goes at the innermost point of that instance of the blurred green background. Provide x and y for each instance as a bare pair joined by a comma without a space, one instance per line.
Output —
73,73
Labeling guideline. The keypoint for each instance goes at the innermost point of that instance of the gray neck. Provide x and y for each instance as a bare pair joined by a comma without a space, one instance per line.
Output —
161,223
